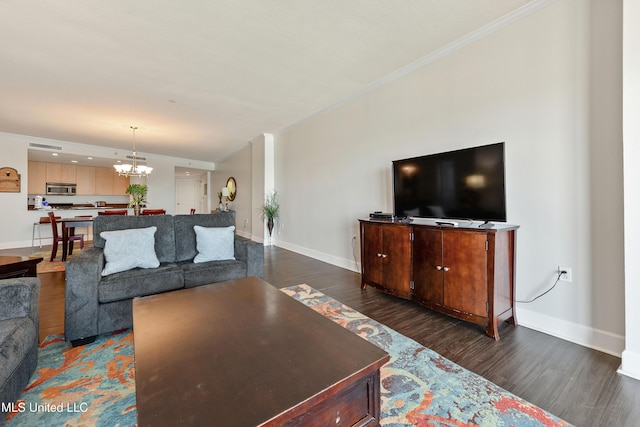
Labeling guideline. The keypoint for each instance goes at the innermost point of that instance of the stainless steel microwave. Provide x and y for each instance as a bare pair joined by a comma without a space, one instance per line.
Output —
61,189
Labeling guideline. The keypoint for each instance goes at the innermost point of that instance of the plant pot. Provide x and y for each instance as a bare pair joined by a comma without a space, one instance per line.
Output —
270,224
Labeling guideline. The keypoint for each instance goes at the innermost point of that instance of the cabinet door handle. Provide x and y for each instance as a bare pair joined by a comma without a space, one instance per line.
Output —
438,267
383,255
445,268
378,255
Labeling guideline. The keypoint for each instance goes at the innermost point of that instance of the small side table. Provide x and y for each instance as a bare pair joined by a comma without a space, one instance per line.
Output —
18,266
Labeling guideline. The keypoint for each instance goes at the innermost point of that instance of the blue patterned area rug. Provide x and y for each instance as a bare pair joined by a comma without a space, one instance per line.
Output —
421,388
94,385
91,385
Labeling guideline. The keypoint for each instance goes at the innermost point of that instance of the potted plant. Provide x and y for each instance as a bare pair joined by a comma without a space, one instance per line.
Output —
138,194
271,211
220,205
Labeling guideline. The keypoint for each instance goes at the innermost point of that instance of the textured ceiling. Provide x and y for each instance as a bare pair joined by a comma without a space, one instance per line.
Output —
202,78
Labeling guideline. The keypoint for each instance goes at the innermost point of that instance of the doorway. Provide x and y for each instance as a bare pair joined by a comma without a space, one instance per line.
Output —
191,192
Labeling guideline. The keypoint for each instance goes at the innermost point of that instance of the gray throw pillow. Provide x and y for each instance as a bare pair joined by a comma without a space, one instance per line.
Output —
128,249
214,243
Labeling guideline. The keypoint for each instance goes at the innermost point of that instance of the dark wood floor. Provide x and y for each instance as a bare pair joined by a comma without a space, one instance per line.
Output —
578,384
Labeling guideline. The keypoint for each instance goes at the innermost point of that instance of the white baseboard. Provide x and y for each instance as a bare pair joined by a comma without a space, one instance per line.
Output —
630,364
321,256
583,335
245,235
22,244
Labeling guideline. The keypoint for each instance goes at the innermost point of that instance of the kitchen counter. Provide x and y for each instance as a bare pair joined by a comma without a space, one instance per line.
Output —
79,207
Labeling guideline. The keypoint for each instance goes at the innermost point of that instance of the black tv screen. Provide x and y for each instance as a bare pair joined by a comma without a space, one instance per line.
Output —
461,184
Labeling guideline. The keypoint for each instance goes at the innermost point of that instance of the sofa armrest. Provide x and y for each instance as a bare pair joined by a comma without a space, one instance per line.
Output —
252,253
20,297
83,273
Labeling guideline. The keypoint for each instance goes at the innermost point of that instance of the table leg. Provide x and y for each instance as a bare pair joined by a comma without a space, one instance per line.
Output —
72,232
65,240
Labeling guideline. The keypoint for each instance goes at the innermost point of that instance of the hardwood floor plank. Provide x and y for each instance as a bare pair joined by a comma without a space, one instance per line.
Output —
576,383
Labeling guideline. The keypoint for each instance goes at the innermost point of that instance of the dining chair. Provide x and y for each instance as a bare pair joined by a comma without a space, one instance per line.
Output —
57,238
153,212
114,212
193,211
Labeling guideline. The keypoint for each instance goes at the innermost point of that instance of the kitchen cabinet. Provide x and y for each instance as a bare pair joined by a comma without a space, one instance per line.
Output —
90,180
53,172
86,180
68,174
120,183
61,173
104,181
37,176
109,183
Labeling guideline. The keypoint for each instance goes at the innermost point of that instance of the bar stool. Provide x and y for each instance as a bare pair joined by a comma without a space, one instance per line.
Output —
36,225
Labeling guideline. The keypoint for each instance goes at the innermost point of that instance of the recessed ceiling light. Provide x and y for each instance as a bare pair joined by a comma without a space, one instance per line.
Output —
89,158
54,154
74,161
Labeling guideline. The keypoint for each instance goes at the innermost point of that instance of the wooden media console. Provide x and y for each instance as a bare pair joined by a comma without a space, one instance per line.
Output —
464,272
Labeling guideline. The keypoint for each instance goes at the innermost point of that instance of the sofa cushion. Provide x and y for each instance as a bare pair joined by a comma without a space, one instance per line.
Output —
15,302
212,272
17,337
128,249
186,249
165,245
140,282
214,243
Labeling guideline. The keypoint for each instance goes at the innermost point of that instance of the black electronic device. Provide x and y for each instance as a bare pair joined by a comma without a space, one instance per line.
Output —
382,215
461,184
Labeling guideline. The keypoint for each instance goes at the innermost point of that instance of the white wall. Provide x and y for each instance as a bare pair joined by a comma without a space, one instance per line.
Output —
541,84
16,222
15,226
258,155
252,166
237,166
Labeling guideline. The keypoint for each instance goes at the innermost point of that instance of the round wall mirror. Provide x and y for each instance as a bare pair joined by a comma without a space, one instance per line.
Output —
231,186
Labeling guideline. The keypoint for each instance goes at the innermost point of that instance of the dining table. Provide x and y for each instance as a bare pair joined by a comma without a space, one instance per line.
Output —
68,229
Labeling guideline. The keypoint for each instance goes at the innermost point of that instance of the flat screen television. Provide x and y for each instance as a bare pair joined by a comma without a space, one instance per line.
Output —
463,184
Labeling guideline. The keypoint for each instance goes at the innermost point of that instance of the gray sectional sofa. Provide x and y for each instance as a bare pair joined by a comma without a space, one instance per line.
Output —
97,304
19,300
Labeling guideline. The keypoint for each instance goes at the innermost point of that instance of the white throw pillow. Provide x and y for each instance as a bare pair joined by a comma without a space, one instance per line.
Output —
214,243
128,249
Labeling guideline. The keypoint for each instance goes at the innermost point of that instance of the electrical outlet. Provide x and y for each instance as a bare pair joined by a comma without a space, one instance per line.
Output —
565,277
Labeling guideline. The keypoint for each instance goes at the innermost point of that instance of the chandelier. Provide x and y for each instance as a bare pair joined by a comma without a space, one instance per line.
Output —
133,169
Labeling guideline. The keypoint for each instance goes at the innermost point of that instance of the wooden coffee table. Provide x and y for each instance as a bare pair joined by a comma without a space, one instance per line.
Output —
18,266
242,353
